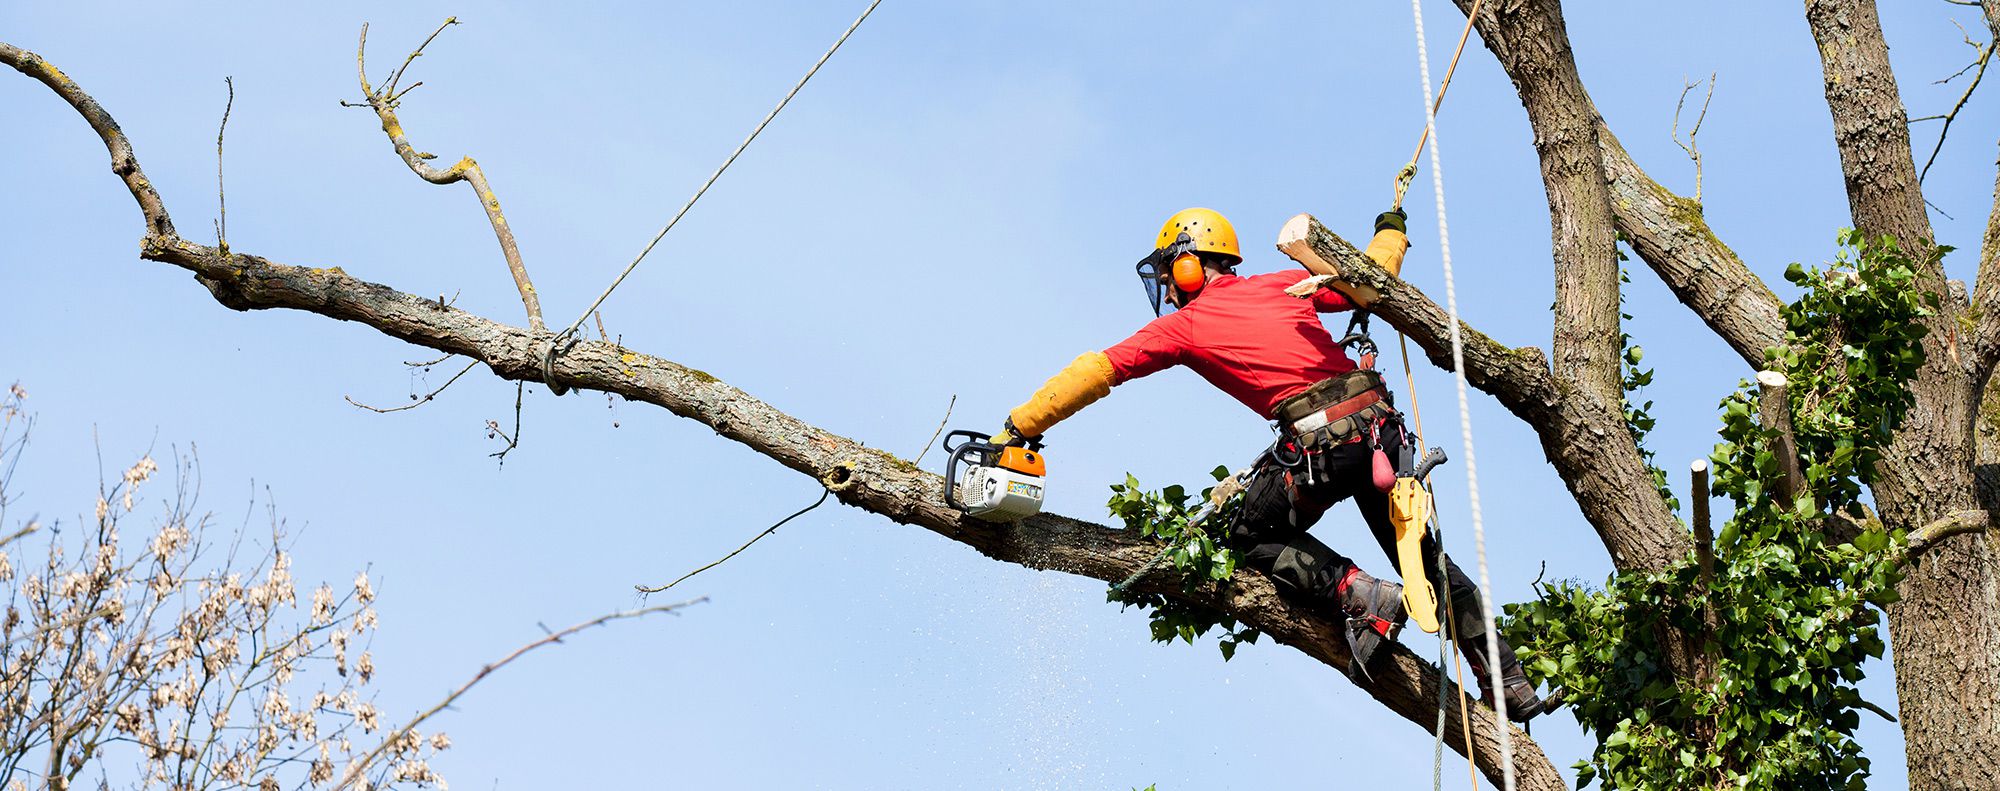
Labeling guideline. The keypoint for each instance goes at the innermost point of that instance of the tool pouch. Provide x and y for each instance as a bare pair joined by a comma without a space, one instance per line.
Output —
1336,410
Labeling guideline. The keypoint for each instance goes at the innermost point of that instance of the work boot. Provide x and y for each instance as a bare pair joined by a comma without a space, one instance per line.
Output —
1374,610
1522,702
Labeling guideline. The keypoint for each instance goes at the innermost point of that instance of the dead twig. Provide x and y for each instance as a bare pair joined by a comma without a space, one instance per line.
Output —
416,401
397,75
940,430
222,204
746,545
513,440
383,102
356,770
427,364
1983,54
1693,150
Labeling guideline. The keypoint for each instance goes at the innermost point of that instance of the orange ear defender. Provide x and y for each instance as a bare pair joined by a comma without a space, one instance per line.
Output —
1188,274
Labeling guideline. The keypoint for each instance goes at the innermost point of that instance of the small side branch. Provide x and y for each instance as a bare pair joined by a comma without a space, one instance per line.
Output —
1693,149
514,439
358,769
1982,54
739,550
1959,523
384,102
416,401
221,203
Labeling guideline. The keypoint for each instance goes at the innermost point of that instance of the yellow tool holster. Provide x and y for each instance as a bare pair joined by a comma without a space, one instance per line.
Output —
1410,512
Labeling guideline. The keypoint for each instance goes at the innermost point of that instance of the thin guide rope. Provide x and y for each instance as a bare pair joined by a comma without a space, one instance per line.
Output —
1464,411
571,330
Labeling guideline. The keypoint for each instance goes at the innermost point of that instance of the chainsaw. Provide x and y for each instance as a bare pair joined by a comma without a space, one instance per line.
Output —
999,483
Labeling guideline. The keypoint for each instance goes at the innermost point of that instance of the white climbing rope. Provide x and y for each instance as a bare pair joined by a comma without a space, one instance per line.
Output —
703,190
1464,412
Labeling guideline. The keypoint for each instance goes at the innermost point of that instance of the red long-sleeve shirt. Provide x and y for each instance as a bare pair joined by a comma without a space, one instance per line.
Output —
1244,335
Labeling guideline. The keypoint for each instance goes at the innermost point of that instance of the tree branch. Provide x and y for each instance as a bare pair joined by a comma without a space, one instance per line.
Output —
356,770
859,476
1692,148
1671,236
1584,438
383,102
122,161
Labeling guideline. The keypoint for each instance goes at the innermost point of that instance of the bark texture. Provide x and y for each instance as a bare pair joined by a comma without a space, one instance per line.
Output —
1532,36
1946,629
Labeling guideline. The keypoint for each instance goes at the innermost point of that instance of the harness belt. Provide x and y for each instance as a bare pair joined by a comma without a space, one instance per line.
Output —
1336,410
1318,420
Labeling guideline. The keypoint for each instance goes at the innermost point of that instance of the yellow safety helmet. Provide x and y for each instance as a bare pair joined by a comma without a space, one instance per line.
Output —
1206,228
1174,258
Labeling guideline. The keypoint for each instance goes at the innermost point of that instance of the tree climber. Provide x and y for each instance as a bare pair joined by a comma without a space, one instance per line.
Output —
1267,348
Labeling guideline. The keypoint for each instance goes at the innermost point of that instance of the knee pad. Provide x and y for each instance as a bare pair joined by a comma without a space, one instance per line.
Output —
1301,569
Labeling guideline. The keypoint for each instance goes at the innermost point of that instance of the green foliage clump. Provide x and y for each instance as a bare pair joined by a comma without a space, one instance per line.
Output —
1190,552
1791,607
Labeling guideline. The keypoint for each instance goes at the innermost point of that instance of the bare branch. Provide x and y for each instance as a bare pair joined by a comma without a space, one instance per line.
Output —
221,204
358,768
397,75
1531,41
123,162
940,429
1693,150
1982,55
746,545
414,400
514,439
384,103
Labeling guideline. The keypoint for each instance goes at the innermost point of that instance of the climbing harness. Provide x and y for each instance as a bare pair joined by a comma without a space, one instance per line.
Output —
567,337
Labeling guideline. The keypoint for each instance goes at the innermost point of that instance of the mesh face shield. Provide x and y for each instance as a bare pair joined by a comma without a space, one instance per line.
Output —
1154,273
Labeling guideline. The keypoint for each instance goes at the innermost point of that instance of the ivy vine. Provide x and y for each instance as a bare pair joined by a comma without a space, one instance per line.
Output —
1793,611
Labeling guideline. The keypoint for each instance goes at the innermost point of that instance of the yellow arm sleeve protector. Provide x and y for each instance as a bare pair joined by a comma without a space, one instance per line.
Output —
1387,249
1082,382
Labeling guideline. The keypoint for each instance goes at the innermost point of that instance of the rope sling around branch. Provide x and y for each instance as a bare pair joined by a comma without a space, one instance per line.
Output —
556,344
1458,377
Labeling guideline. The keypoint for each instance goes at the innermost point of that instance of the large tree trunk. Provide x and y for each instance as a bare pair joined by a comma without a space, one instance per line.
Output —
1946,628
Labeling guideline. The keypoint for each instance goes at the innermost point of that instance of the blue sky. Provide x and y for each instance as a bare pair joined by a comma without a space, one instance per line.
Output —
950,208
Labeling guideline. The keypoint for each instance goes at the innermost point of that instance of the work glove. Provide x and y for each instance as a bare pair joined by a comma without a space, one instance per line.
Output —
1392,220
1009,435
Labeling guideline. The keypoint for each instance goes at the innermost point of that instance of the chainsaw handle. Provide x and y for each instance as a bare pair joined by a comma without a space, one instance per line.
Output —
1432,458
972,442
